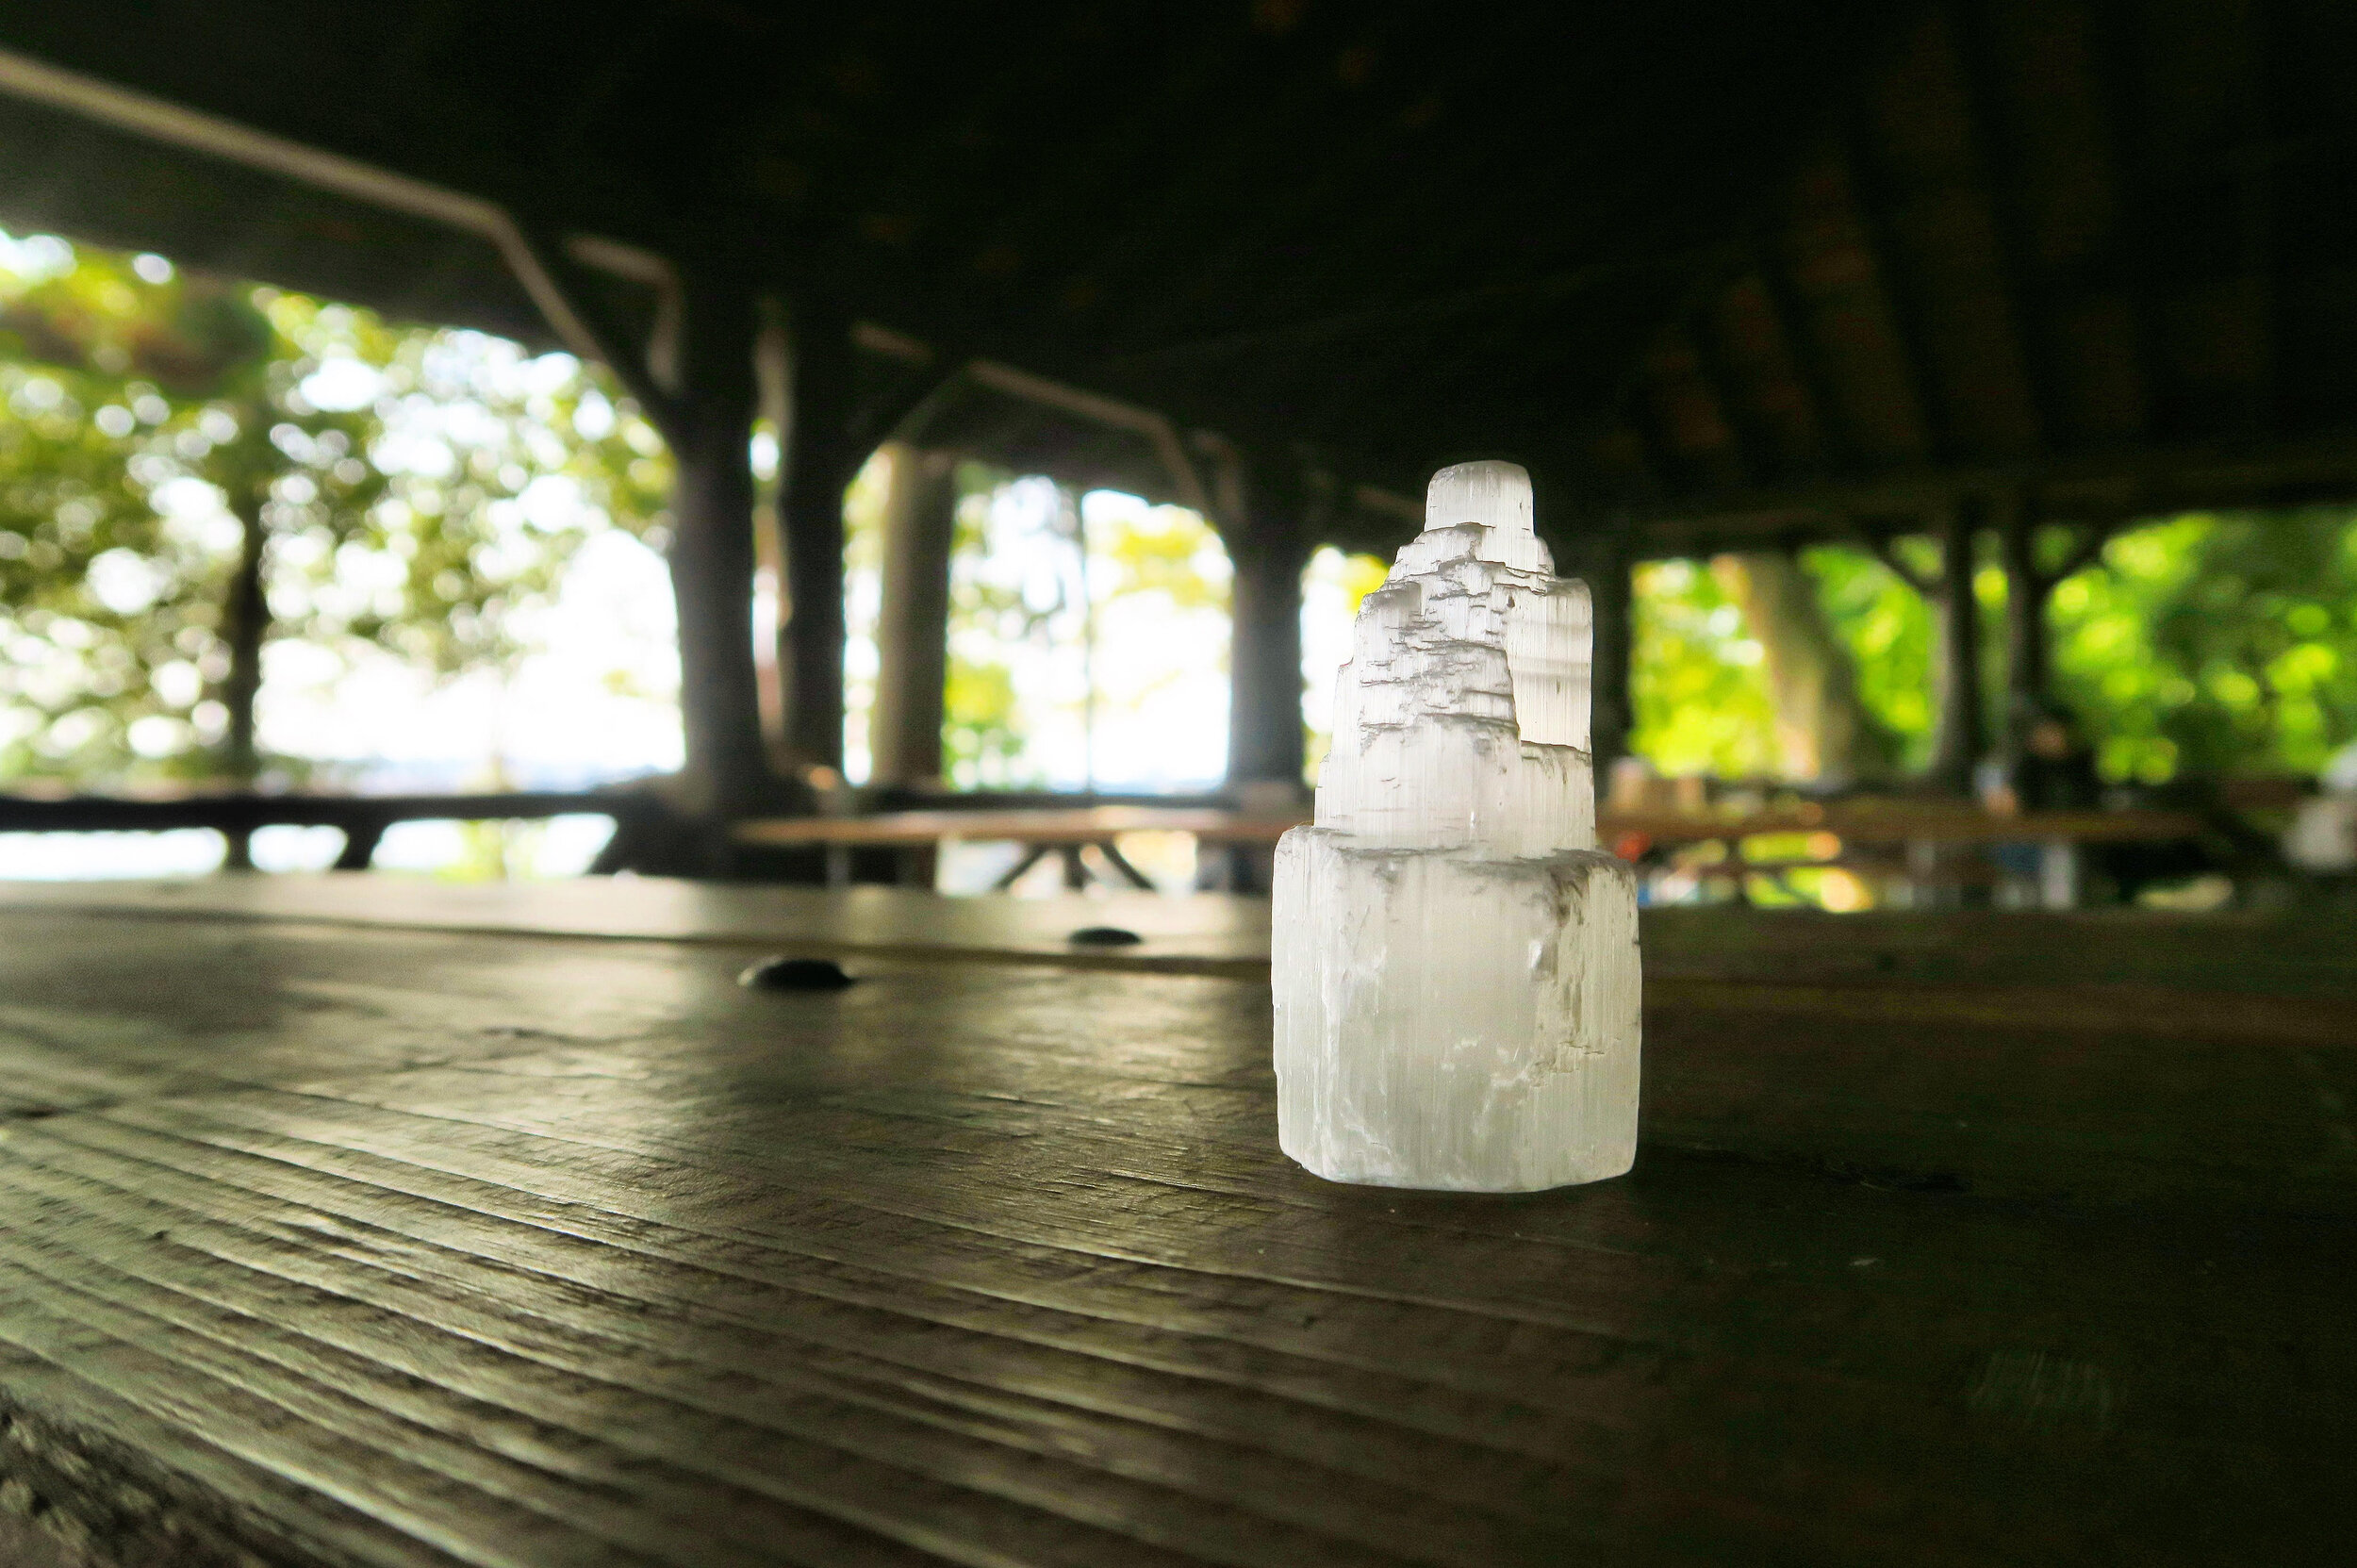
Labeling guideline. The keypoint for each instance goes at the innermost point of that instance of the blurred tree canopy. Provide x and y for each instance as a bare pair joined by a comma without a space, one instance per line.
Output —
2206,644
2215,645
1698,680
982,743
1026,573
191,469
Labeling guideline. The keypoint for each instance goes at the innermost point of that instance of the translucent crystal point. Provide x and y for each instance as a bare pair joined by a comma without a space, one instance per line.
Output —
1456,964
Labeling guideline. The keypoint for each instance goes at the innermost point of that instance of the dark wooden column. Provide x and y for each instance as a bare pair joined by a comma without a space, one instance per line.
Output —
1269,545
709,423
1613,712
1962,735
2027,649
819,460
913,622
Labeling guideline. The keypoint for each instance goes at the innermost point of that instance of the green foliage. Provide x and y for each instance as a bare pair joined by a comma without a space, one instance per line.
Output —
1696,676
160,434
2215,645
146,385
982,744
1044,649
1167,551
1887,629
1333,586
497,466
78,655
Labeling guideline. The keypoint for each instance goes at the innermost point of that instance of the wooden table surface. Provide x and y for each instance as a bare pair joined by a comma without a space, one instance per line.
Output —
323,1242
1175,933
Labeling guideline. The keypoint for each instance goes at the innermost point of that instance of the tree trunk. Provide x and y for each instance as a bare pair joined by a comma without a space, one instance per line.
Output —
1823,732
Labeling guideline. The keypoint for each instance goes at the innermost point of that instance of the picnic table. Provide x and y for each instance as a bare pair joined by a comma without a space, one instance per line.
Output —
1911,824
1062,831
347,1220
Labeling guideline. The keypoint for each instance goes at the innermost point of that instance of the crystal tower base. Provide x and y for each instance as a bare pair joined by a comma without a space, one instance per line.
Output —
1456,964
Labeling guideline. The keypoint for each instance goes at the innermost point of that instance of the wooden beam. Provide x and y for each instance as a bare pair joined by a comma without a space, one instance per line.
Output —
651,372
2084,552
2212,474
2258,223
1884,547
2118,79
821,458
2028,647
1748,444
1871,202
1601,558
1270,534
2029,304
1795,326
1643,424
1962,735
913,621
712,545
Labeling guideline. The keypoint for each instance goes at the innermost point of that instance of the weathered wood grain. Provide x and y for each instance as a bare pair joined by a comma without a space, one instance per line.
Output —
2105,1090
400,1247
1199,933
2030,955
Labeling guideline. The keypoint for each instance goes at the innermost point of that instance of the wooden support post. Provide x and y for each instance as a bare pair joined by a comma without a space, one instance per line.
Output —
2027,589
1267,535
709,423
1605,565
913,622
820,459
1962,735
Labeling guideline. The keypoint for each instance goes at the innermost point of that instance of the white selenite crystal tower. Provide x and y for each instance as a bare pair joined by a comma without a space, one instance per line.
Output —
1456,964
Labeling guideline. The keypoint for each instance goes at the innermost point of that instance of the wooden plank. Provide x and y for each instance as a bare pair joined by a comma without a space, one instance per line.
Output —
988,1264
2291,954
2002,1053
2285,953
1176,932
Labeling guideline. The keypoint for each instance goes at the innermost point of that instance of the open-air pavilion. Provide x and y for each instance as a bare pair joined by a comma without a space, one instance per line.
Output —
350,1221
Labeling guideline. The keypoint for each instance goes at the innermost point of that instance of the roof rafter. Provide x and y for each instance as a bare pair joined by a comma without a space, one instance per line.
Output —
2028,303
1901,293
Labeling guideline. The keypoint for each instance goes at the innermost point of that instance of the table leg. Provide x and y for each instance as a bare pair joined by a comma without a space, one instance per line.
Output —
2058,874
359,849
1120,863
1014,873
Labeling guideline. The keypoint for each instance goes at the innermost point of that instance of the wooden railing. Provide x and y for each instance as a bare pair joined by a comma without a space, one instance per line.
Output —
363,819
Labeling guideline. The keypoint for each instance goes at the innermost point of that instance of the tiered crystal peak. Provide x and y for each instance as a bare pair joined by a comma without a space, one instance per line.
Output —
1456,964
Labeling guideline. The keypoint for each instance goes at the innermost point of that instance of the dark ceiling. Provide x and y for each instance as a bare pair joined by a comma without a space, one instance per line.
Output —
1728,268
1392,233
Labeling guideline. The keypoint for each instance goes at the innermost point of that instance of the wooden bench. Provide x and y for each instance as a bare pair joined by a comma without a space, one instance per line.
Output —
1909,826
362,818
